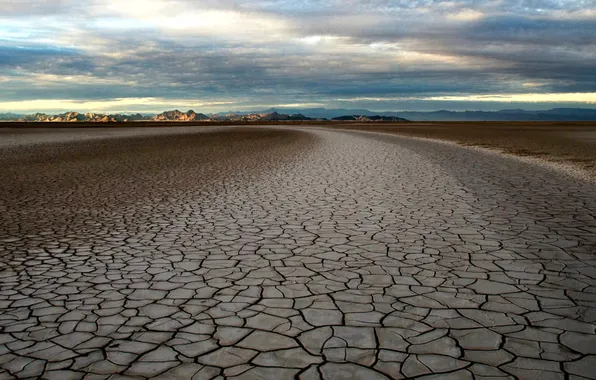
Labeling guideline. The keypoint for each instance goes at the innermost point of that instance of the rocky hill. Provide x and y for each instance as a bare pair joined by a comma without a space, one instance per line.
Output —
73,117
176,115
255,117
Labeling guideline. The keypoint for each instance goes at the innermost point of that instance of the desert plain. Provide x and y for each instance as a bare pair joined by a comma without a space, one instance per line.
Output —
344,251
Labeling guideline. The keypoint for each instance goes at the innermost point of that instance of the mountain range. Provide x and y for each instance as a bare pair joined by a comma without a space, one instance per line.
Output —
555,114
364,118
174,115
299,114
70,117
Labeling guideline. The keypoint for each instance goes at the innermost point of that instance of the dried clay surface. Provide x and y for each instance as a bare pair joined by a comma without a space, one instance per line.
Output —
282,253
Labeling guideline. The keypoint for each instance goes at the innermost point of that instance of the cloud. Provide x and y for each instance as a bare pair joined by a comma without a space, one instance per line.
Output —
287,52
113,105
18,56
587,98
17,8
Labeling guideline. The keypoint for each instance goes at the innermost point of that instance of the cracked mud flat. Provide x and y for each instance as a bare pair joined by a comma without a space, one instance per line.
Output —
278,254
568,144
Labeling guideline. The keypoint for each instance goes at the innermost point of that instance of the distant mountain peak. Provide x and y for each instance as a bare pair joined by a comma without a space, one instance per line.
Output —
176,115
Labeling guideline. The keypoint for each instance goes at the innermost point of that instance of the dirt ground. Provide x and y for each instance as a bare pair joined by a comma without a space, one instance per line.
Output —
43,183
561,142
572,143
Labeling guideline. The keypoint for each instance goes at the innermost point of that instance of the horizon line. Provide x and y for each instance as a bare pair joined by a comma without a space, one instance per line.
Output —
278,108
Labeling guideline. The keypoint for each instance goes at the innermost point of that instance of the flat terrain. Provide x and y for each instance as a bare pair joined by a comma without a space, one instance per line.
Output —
571,143
284,252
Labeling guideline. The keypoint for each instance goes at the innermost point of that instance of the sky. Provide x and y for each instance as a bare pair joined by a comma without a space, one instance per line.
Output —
221,55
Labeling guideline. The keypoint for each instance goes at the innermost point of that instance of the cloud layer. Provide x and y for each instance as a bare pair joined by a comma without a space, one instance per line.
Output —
216,55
